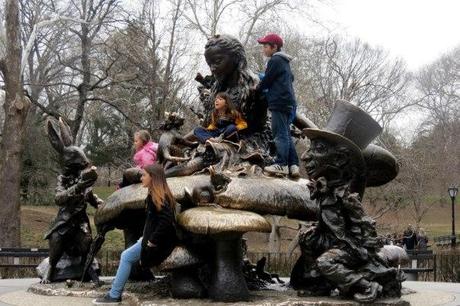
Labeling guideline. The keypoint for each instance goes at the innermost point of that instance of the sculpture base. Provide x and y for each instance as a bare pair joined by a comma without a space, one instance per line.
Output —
67,268
157,292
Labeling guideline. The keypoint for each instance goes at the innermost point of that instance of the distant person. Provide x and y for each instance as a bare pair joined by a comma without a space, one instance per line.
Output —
145,153
422,240
409,238
226,121
397,239
159,235
389,239
276,84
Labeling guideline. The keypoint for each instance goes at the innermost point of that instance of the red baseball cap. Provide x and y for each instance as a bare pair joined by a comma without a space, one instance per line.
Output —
271,38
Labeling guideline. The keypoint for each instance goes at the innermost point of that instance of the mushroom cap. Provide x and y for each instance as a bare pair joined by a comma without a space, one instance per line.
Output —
180,257
210,220
133,197
130,197
261,194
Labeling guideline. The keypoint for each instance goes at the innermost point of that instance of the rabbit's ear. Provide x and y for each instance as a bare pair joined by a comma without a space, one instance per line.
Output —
54,137
166,114
66,135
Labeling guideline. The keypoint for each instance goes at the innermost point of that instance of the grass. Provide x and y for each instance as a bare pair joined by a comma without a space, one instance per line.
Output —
437,221
35,222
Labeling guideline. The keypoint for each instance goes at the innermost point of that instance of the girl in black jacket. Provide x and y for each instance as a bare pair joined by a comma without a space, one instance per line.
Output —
159,236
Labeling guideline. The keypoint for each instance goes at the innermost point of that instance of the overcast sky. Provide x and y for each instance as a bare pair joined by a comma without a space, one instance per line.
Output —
417,30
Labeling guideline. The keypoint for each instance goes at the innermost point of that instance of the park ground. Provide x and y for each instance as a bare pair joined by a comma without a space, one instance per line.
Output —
36,219
14,292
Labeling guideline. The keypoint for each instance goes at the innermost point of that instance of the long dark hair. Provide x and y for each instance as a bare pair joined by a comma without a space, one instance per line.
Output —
230,109
159,189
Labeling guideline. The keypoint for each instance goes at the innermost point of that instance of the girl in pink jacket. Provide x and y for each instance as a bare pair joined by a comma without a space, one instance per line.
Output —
146,150
146,154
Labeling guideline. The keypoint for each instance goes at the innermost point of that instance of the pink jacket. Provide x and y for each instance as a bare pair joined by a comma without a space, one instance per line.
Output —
147,155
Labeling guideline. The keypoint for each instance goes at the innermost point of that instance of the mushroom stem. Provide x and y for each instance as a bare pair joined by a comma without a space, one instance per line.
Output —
227,280
185,284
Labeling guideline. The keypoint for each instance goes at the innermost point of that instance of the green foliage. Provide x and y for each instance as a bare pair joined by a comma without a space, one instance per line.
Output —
107,140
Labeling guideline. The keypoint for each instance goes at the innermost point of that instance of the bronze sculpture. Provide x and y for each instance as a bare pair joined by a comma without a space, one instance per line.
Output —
340,250
226,58
243,187
70,232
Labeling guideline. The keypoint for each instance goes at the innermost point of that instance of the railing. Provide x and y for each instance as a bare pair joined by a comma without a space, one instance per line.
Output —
20,262
446,266
446,240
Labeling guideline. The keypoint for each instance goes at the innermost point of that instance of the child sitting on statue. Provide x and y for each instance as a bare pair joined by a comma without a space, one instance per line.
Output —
145,154
226,121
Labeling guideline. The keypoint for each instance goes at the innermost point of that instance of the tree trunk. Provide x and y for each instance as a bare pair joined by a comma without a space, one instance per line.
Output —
16,107
83,89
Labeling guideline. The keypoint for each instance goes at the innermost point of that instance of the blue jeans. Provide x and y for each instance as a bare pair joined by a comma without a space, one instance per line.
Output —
128,257
286,154
204,134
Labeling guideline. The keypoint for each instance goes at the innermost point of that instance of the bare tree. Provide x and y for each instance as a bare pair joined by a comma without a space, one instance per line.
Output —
438,86
206,16
16,107
331,69
268,12
76,54
416,177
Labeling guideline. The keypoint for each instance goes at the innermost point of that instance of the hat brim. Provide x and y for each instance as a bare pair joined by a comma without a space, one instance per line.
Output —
382,166
357,154
262,41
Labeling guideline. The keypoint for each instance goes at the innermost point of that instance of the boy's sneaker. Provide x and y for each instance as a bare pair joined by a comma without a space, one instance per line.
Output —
107,300
277,169
294,171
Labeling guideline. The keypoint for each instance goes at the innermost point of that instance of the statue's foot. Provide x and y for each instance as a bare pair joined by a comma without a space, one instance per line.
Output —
45,281
370,294
69,283
99,283
47,278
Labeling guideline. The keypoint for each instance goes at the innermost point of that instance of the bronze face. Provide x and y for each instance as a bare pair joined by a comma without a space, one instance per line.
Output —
316,158
325,159
75,159
220,61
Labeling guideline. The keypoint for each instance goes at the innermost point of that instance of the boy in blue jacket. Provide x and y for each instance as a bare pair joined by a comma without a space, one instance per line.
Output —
277,85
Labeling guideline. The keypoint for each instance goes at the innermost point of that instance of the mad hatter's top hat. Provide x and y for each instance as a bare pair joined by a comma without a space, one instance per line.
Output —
348,125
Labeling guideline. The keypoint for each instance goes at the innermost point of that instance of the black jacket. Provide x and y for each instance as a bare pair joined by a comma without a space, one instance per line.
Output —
159,229
278,80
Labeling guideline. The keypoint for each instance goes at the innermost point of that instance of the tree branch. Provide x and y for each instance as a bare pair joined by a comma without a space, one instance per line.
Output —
117,109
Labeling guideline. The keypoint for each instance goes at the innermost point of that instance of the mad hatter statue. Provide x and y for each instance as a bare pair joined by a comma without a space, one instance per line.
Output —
340,250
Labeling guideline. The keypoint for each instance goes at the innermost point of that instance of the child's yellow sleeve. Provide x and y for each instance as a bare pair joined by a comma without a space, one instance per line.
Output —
241,124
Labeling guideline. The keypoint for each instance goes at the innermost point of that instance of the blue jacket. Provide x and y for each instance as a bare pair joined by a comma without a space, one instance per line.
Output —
278,81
